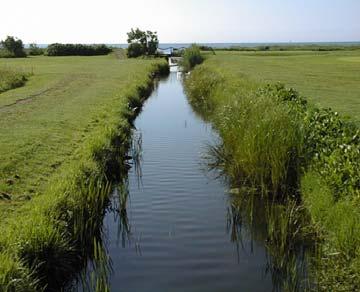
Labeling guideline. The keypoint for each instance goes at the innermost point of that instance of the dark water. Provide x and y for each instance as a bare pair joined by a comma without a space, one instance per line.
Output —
176,233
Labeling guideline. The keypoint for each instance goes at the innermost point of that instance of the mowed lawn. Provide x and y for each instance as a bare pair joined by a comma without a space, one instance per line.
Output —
328,79
45,121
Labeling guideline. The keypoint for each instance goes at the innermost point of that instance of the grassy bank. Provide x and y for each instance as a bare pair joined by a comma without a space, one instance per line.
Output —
277,143
63,138
43,123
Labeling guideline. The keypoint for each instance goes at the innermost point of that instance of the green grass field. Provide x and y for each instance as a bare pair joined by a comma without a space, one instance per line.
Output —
63,138
44,122
328,79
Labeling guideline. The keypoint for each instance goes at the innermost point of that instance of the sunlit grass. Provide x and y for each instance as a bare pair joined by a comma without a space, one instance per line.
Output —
274,140
327,79
82,133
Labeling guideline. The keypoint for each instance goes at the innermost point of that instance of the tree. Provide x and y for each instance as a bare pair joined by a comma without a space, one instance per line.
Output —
152,42
141,42
14,47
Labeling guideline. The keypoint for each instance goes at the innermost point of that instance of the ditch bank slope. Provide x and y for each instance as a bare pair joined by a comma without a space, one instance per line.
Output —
285,148
47,241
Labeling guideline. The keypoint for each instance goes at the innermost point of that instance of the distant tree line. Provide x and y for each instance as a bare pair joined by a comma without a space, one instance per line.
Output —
77,50
13,47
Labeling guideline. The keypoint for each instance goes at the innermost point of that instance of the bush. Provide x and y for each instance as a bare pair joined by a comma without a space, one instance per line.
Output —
333,148
10,79
135,50
34,50
192,57
77,50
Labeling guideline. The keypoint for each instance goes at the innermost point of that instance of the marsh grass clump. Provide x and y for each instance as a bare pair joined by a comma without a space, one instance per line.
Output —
261,134
191,57
11,78
338,223
200,88
46,251
263,138
15,277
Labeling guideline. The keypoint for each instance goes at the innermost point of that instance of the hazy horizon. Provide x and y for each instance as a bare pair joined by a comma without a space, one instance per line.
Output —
203,21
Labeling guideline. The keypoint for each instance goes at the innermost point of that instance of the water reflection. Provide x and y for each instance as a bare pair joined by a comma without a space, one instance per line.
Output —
165,230
120,213
136,152
98,269
279,225
96,275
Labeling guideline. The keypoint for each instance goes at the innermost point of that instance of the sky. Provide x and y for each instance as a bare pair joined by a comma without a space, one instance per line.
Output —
181,21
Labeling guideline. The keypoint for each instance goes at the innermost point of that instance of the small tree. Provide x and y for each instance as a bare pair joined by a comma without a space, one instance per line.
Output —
141,42
14,47
152,42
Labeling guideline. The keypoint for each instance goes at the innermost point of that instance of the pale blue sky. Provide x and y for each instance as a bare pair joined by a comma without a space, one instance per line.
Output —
107,21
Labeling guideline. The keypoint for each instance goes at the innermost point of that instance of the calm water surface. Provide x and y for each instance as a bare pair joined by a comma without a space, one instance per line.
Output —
176,234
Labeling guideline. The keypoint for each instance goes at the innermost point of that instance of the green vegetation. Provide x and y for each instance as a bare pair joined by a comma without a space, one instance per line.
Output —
284,230
10,79
142,43
258,133
34,50
327,79
77,50
191,57
63,139
12,48
274,141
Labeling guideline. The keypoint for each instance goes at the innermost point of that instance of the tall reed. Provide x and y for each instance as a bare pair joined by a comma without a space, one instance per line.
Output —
261,134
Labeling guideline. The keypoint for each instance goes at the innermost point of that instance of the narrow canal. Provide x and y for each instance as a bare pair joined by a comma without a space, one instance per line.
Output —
176,233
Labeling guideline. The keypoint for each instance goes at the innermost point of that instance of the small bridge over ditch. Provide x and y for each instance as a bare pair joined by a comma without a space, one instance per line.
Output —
171,51
174,61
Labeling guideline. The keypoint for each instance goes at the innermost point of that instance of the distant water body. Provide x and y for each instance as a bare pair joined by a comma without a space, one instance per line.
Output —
247,45
229,45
